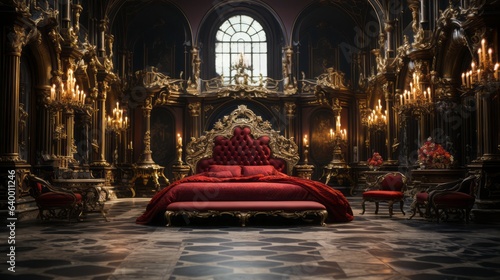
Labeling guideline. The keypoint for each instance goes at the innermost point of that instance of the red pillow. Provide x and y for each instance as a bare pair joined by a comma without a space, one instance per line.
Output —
220,174
251,170
234,169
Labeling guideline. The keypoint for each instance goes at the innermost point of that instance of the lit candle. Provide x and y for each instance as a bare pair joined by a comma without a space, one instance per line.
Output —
179,139
53,92
496,71
331,133
490,54
463,79
305,140
483,49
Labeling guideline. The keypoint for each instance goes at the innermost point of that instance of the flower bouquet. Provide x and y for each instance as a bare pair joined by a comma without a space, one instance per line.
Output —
375,161
433,155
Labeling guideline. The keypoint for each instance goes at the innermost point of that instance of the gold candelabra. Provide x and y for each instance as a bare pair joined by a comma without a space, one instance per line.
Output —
118,124
377,120
339,139
485,72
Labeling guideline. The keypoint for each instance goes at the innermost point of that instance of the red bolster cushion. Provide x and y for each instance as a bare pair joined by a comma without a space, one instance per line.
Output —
220,174
245,205
234,169
383,195
250,170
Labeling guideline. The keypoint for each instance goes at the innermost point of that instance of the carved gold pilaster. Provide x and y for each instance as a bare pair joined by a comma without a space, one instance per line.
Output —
195,112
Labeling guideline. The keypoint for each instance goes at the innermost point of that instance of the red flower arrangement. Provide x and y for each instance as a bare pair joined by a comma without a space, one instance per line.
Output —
375,161
433,155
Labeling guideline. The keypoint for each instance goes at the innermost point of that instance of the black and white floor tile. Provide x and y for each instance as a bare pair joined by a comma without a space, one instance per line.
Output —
370,247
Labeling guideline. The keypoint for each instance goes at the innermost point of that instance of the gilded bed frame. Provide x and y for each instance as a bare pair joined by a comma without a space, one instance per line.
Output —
281,147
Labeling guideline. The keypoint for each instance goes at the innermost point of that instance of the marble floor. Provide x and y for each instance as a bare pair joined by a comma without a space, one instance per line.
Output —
370,247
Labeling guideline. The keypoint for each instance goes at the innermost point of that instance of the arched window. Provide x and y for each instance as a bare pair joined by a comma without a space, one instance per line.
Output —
238,37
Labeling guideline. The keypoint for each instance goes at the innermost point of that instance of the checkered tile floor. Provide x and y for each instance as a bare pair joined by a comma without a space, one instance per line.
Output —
370,247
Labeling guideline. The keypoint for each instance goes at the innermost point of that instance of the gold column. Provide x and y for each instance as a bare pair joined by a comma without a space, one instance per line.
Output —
16,39
290,115
101,124
146,109
391,120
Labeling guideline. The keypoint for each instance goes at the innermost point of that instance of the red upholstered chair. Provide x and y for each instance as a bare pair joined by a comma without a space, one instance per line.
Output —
388,188
421,199
52,202
457,199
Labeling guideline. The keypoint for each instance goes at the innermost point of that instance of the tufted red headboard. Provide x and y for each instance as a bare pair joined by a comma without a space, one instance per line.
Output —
242,138
241,149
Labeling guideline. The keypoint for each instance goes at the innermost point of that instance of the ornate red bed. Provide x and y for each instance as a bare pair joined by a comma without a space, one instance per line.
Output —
241,168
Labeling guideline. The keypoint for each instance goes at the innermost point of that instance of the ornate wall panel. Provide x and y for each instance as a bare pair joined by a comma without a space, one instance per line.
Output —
163,137
321,149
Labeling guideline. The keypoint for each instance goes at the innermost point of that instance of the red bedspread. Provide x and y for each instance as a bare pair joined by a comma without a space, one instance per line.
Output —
335,202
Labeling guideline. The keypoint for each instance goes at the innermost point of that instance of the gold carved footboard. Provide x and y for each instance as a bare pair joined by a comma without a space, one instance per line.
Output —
244,210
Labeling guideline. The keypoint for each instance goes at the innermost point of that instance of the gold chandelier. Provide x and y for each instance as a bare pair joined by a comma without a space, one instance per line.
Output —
483,74
116,122
417,100
377,120
68,94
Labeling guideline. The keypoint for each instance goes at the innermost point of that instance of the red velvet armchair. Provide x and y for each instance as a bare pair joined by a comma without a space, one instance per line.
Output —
421,199
52,202
388,188
460,198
